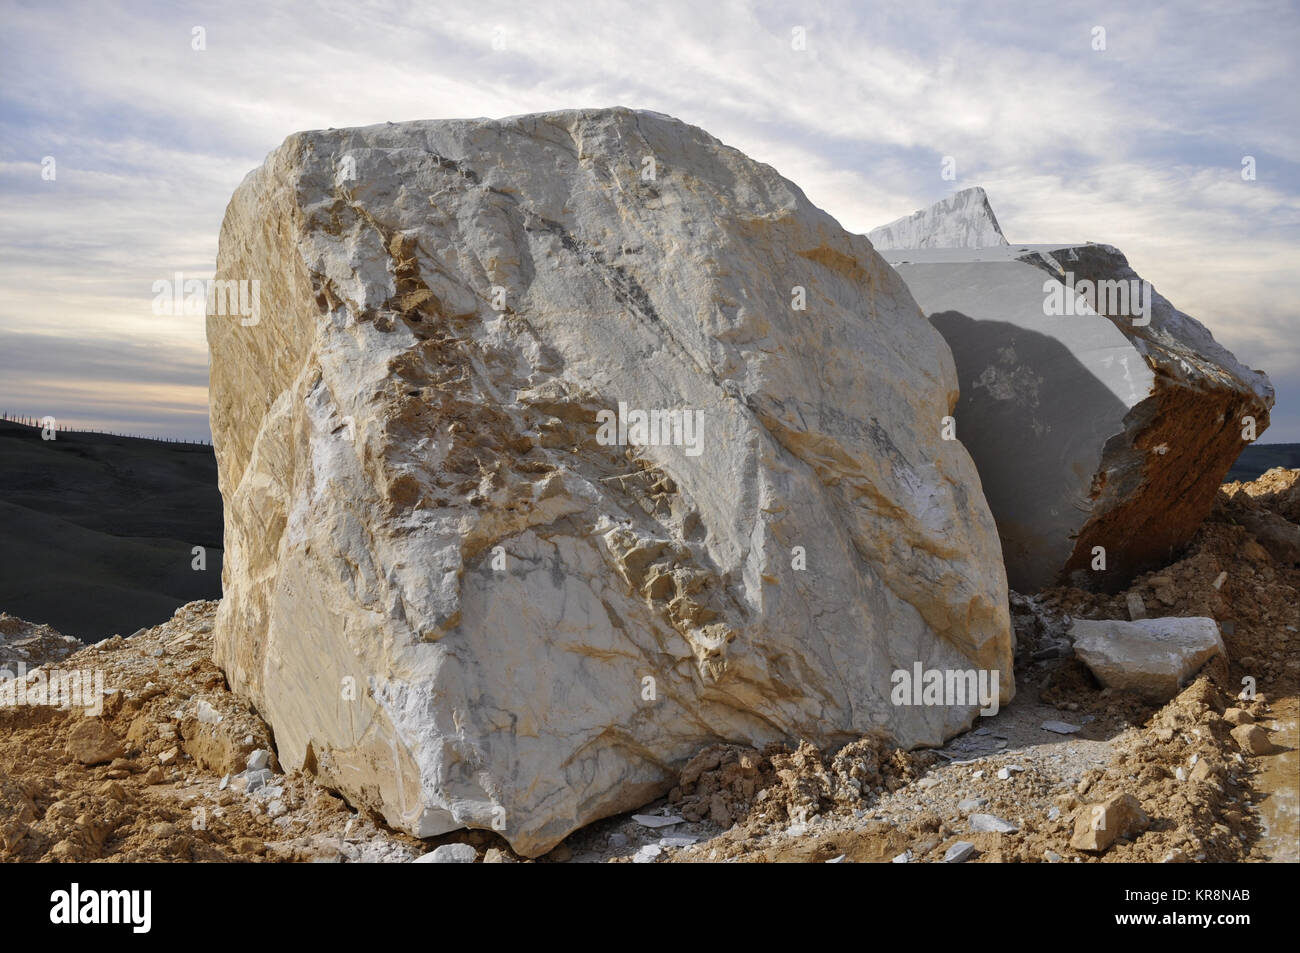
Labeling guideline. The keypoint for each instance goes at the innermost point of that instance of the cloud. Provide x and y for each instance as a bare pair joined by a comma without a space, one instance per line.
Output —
104,383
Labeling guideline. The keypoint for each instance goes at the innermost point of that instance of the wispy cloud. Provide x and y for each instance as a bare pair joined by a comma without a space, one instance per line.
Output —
1138,145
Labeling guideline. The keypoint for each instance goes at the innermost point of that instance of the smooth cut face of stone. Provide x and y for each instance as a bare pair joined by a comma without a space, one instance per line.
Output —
477,572
1102,419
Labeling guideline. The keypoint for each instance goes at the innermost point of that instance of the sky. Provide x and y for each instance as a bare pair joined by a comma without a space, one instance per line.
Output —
125,127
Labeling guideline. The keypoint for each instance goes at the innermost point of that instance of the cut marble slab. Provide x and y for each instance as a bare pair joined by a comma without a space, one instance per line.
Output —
1101,434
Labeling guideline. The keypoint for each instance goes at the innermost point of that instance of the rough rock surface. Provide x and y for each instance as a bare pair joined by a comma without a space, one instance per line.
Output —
30,645
458,606
1095,420
1278,489
449,854
963,220
1097,826
1253,739
1152,658
91,742
1269,509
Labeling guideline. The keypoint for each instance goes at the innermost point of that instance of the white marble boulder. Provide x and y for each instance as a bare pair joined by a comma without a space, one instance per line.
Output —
464,582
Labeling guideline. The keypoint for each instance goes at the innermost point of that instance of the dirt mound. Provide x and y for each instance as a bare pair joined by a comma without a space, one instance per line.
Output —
730,783
30,645
1227,575
867,803
176,787
1277,489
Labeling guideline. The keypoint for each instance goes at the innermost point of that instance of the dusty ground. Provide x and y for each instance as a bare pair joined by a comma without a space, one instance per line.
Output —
180,733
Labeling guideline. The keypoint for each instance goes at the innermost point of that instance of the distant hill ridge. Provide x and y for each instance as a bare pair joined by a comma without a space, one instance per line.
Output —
1259,458
35,424
97,531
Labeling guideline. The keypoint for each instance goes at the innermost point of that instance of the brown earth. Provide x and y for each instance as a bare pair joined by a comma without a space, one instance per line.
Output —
1205,796
181,732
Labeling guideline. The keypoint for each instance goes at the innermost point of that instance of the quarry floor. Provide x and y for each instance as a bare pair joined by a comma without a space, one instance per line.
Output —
176,789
